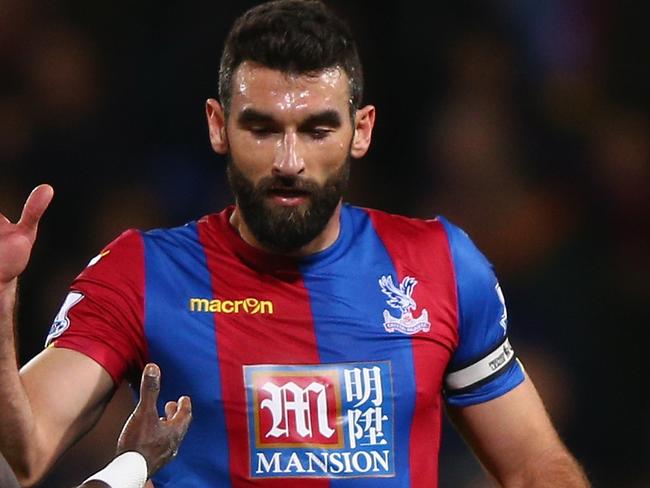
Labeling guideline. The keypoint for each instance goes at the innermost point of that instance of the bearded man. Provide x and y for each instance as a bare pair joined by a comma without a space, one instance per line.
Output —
319,342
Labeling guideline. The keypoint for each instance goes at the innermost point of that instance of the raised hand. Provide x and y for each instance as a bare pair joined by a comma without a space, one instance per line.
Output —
156,438
17,240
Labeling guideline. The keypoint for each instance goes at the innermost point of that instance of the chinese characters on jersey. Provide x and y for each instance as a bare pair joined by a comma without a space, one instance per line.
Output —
331,420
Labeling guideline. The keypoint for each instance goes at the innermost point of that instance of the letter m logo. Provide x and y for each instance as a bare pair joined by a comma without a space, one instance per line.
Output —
296,408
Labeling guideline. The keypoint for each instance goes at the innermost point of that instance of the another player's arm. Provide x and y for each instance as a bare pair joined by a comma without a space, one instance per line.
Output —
515,440
60,394
155,439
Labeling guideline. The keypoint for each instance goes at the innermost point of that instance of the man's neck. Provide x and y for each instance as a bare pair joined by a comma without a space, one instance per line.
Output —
322,241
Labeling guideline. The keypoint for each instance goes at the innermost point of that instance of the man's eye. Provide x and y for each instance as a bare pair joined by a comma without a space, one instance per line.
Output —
319,133
261,131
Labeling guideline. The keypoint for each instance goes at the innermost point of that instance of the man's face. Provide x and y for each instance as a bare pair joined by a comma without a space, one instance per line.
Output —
289,142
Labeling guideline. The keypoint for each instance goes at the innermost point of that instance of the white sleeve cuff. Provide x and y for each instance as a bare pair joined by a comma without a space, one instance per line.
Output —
128,470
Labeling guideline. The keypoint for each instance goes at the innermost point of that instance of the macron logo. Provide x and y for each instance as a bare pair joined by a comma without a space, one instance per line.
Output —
250,306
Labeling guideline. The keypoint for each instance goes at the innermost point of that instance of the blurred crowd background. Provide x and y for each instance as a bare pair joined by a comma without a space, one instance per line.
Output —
524,122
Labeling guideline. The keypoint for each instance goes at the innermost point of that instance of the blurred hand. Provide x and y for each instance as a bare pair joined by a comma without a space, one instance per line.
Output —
156,438
17,240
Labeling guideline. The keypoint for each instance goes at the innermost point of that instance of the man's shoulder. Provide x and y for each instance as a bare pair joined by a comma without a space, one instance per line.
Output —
209,223
396,222
129,246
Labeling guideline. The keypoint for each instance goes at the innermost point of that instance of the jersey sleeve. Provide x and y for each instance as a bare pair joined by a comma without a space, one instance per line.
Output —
102,315
484,365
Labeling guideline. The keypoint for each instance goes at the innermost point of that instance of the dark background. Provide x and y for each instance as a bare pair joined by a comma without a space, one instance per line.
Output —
525,123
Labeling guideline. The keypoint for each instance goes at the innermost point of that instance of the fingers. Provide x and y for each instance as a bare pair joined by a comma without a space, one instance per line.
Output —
182,417
184,407
35,206
177,414
149,387
170,409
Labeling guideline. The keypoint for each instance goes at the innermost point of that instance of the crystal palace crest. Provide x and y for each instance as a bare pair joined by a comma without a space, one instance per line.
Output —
401,299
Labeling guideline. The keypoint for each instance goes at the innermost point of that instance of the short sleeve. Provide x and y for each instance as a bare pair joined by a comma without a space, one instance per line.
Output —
102,315
484,365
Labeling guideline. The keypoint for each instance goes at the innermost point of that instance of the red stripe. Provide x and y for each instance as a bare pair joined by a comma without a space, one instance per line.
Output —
285,337
420,249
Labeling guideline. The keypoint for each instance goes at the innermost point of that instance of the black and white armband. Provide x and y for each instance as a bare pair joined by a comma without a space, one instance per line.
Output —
470,376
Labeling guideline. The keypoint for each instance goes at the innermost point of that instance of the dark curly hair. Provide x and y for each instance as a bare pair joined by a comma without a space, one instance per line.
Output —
293,36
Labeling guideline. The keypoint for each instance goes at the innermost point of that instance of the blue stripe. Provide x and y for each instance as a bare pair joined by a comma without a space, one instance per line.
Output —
184,345
347,306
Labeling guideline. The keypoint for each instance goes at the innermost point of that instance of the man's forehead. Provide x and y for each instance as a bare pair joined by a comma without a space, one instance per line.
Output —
254,84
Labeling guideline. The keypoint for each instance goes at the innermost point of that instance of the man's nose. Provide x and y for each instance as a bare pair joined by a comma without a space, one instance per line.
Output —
288,157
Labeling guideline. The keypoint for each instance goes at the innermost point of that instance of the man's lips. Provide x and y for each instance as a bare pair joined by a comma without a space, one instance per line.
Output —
288,196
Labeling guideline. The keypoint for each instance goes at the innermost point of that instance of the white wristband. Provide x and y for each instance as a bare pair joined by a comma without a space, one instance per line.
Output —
128,470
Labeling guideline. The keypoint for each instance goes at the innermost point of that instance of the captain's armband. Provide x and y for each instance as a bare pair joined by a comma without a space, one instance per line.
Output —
470,376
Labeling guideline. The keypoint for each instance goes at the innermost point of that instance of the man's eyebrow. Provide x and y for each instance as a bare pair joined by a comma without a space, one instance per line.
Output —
328,118
251,115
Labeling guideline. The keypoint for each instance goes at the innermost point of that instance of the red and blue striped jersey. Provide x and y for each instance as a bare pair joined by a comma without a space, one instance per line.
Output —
324,371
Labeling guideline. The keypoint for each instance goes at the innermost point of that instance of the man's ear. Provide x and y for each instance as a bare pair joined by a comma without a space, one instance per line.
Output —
216,126
364,121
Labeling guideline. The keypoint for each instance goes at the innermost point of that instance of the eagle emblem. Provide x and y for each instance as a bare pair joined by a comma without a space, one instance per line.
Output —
401,299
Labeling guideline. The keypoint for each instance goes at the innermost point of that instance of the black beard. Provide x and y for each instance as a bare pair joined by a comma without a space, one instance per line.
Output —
287,229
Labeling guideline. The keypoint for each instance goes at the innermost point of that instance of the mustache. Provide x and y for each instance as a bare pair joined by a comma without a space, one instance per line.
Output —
283,183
